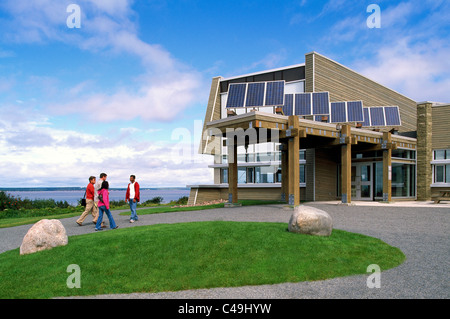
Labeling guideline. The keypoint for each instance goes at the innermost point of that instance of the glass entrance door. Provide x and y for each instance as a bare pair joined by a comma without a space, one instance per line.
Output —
362,177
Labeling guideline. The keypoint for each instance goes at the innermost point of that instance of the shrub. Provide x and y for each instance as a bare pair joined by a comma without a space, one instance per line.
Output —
154,200
182,200
117,203
8,201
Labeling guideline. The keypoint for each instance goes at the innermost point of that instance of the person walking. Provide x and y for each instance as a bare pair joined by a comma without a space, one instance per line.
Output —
97,187
103,207
132,196
90,204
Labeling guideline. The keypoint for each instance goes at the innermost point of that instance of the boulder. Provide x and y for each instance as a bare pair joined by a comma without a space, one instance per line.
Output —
45,234
310,221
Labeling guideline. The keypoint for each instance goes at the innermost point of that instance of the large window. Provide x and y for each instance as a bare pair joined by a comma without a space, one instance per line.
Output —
403,180
441,167
261,174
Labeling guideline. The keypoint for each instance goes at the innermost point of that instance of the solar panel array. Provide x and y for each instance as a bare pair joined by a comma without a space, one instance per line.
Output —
306,104
316,104
381,116
345,112
256,94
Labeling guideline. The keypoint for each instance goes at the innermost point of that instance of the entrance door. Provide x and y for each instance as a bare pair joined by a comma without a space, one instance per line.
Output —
362,176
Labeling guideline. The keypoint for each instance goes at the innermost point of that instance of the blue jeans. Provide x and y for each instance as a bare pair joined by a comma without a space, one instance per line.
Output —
133,206
101,210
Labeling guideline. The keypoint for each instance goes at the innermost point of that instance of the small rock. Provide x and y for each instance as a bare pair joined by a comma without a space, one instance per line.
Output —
45,234
310,221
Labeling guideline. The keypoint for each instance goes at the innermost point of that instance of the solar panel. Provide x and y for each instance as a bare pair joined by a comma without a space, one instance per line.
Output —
392,115
275,93
355,111
366,113
288,104
377,116
255,94
321,103
236,95
318,118
303,104
338,112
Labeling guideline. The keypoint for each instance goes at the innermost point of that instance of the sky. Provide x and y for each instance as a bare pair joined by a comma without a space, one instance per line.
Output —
125,91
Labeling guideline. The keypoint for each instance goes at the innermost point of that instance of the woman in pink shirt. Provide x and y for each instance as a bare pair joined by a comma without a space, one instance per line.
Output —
103,207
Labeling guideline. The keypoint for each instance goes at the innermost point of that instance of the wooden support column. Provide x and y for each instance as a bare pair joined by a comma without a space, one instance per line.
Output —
232,170
346,164
294,162
284,172
387,166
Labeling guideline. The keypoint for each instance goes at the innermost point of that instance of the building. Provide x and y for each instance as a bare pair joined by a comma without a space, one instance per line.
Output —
336,159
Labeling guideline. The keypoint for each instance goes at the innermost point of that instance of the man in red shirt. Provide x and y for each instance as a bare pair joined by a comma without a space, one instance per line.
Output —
133,196
90,207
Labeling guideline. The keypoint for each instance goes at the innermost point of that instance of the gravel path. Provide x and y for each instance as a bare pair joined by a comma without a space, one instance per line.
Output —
421,233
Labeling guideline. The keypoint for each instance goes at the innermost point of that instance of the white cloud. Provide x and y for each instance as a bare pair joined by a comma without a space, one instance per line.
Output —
33,153
167,86
419,71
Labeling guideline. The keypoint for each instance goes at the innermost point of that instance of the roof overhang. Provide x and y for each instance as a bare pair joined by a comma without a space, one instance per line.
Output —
259,127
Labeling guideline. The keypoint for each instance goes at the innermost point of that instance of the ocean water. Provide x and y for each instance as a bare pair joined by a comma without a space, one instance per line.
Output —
72,196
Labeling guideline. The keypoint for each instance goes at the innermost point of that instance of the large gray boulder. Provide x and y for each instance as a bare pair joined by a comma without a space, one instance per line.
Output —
311,221
45,234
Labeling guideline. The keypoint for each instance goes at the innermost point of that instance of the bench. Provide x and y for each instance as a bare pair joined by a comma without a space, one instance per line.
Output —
444,195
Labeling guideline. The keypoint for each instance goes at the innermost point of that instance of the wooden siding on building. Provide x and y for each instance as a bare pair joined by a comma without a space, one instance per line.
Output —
206,194
344,84
441,126
213,112
326,173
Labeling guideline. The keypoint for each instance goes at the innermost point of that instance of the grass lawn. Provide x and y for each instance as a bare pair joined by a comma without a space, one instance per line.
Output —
33,216
17,221
172,257
169,209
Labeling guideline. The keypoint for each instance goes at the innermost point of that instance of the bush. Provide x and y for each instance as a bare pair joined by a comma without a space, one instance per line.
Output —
182,200
154,200
117,203
8,201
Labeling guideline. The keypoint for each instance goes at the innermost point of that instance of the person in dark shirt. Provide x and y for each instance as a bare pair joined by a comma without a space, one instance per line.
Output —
90,206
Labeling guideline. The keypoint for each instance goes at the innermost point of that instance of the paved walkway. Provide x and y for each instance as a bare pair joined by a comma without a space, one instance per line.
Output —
422,233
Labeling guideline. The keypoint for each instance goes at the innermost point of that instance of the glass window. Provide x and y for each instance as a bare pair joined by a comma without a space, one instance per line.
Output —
224,175
379,179
265,174
302,155
403,180
447,173
439,173
242,175
302,173
439,155
278,175
441,170
250,174
399,153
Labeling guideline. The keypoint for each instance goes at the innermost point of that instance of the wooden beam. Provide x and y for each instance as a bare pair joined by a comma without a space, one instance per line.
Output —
284,172
294,163
232,171
387,168
346,166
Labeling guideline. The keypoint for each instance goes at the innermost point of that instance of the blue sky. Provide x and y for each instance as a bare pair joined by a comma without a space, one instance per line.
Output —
126,92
